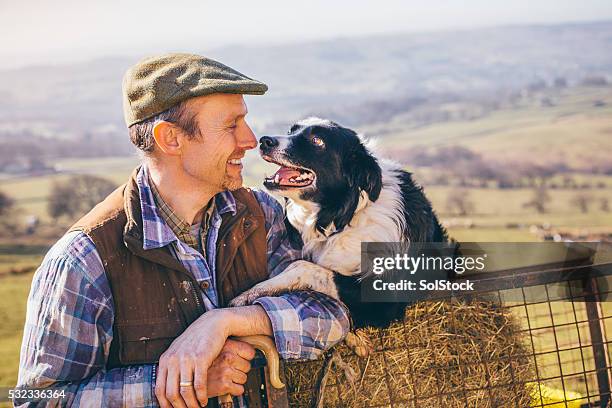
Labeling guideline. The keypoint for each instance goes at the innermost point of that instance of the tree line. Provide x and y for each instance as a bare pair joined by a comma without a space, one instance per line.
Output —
67,201
459,165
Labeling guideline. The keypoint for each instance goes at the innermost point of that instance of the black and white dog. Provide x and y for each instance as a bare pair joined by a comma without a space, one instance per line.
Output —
339,195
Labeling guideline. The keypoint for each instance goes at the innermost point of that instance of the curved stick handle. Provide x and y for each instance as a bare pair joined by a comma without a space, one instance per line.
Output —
267,347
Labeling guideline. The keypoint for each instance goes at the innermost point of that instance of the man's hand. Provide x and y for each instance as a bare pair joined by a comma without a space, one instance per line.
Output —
229,370
191,356
187,360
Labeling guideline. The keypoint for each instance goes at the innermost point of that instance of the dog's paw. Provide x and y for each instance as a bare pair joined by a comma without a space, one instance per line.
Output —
240,300
246,298
359,343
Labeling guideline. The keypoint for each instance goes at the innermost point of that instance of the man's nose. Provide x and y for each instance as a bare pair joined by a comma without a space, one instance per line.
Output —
247,139
267,143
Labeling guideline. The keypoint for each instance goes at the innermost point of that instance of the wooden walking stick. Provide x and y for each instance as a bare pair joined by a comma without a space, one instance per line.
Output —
267,347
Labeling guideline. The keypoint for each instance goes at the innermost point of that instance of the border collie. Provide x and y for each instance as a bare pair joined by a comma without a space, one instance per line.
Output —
339,195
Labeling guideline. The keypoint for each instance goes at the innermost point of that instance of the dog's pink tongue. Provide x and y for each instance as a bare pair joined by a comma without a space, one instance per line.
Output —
285,173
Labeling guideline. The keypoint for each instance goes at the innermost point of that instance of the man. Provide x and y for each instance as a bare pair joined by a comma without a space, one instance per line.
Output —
127,308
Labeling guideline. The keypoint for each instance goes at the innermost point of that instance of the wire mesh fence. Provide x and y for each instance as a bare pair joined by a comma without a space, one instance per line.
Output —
566,320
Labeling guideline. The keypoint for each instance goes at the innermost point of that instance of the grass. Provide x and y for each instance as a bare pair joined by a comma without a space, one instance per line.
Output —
566,349
14,291
491,235
17,263
492,201
15,259
30,193
13,264
499,215
492,207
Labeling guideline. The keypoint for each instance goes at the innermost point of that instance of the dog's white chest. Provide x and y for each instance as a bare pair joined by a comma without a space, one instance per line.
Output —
380,221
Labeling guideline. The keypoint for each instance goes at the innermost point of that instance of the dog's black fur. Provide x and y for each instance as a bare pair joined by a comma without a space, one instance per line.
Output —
343,167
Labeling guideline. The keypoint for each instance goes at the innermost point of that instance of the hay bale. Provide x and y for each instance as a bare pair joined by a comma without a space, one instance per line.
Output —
444,354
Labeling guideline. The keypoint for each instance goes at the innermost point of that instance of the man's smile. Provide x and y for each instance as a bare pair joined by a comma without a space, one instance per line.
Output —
235,164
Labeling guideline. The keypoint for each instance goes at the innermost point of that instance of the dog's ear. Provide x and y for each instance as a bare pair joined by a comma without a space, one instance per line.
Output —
364,172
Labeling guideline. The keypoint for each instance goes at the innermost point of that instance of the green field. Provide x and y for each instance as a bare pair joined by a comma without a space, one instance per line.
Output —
493,209
30,193
18,259
13,296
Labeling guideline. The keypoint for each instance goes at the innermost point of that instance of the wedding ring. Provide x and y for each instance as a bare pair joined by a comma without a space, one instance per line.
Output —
185,383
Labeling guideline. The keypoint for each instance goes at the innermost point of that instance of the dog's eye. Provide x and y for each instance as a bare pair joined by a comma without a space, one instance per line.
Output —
317,141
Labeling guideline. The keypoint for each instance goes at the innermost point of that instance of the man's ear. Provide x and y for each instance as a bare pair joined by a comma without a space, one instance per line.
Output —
167,138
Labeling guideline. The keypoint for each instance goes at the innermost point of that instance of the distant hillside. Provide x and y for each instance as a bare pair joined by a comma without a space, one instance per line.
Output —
568,127
315,77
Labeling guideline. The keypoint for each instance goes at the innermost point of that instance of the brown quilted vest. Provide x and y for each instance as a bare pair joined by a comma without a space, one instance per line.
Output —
155,297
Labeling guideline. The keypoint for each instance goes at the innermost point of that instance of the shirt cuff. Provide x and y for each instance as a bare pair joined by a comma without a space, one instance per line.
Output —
136,385
286,326
153,381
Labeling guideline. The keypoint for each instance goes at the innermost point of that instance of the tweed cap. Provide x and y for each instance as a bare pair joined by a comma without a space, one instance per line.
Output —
160,82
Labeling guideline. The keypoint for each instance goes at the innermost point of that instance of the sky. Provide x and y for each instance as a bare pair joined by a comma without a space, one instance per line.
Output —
59,31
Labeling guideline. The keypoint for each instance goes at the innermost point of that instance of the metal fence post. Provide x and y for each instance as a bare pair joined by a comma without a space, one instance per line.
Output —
594,315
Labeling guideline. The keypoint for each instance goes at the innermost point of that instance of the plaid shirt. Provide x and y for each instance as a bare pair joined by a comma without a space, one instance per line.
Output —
193,235
69,321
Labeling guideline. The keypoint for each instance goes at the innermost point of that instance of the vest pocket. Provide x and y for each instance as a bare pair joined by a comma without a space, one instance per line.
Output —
144,342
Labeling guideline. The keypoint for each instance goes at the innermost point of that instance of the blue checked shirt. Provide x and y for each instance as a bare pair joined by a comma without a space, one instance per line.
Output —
68,328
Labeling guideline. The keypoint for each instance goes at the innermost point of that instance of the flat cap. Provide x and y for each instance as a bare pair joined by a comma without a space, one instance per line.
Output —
160,82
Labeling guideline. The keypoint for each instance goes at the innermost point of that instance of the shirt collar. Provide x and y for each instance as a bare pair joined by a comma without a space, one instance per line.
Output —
156,232
225,202
185,232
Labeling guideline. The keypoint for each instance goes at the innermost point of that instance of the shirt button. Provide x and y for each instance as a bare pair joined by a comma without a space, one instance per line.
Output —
204,285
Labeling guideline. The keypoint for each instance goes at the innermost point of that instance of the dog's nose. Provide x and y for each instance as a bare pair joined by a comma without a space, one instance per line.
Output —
268,142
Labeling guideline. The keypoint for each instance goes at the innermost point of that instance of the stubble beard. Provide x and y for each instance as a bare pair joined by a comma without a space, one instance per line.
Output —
231,183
